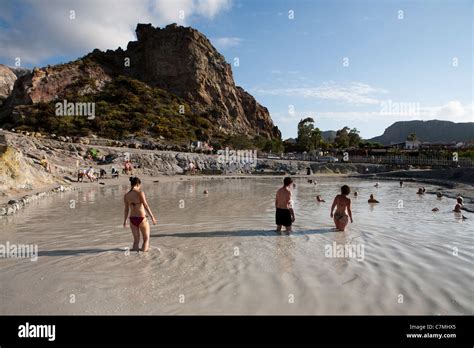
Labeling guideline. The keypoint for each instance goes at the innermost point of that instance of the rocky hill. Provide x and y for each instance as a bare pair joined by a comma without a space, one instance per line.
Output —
328,136
7,80
170,83
431,131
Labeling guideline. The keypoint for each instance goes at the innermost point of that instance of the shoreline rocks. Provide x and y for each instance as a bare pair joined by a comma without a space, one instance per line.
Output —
15,205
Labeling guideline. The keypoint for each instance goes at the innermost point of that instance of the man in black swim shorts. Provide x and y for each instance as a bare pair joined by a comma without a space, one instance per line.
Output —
285,215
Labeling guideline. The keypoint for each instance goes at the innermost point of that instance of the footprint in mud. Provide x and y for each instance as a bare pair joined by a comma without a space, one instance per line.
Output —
351,280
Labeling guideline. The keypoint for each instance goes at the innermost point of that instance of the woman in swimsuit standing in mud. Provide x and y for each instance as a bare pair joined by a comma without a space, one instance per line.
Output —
342,203
136,204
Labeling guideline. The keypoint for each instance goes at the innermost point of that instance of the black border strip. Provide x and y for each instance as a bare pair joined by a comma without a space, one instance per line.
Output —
225,330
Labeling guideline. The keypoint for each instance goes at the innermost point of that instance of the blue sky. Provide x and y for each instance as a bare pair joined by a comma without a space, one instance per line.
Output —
363,64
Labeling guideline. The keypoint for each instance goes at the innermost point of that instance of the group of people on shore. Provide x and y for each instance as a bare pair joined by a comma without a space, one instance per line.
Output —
90,174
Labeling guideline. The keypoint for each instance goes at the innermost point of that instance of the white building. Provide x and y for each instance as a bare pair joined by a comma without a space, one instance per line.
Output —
412,144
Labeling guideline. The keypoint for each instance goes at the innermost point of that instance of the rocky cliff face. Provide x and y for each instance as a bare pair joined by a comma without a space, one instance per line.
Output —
183,61
178,60
18,71
7,80
51,83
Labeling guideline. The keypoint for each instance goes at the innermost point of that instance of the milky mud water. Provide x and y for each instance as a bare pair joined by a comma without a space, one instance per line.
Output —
219,254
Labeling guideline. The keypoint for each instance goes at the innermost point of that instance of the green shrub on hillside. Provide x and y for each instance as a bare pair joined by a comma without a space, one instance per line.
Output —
124,106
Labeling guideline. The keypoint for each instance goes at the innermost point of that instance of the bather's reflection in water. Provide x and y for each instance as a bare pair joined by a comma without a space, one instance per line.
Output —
89,194
285,250
341,262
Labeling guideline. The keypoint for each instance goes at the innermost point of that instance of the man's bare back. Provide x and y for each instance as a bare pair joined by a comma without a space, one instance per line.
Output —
284,215
283,198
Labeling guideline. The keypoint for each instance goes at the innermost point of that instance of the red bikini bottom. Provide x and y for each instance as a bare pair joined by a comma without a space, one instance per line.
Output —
136,220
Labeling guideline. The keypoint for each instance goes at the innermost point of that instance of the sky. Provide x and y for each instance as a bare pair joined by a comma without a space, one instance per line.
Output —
364,64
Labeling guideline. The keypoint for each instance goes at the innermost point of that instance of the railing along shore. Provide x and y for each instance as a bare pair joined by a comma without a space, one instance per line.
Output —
389,160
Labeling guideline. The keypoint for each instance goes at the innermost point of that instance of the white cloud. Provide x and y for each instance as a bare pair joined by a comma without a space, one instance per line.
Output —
226,42
356,93
453,111
44,28
175,11
210,8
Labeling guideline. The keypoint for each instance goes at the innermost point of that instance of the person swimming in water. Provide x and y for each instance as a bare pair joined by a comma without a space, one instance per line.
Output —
284,215
420,191
401,183
459,205
372,199
342,204
376,184
356,193
320,199
135,203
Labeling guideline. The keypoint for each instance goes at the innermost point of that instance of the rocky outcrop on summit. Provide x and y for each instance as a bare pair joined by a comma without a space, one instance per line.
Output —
7,80
178,60
183,61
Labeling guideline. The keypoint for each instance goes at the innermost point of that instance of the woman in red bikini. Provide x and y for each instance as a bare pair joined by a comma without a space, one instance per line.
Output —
342,204
136,204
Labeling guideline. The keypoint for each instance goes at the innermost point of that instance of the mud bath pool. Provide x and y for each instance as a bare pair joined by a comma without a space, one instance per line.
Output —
218,254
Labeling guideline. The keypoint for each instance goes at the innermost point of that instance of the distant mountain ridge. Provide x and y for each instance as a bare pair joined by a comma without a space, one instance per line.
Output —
328,136
429,131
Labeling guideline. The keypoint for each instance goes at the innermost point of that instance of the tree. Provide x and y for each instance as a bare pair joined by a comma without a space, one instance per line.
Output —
259,141
354,137
309,137
370,145
238,142
304,132
411,137
278,146
316,138
290,146
342,138
325,145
